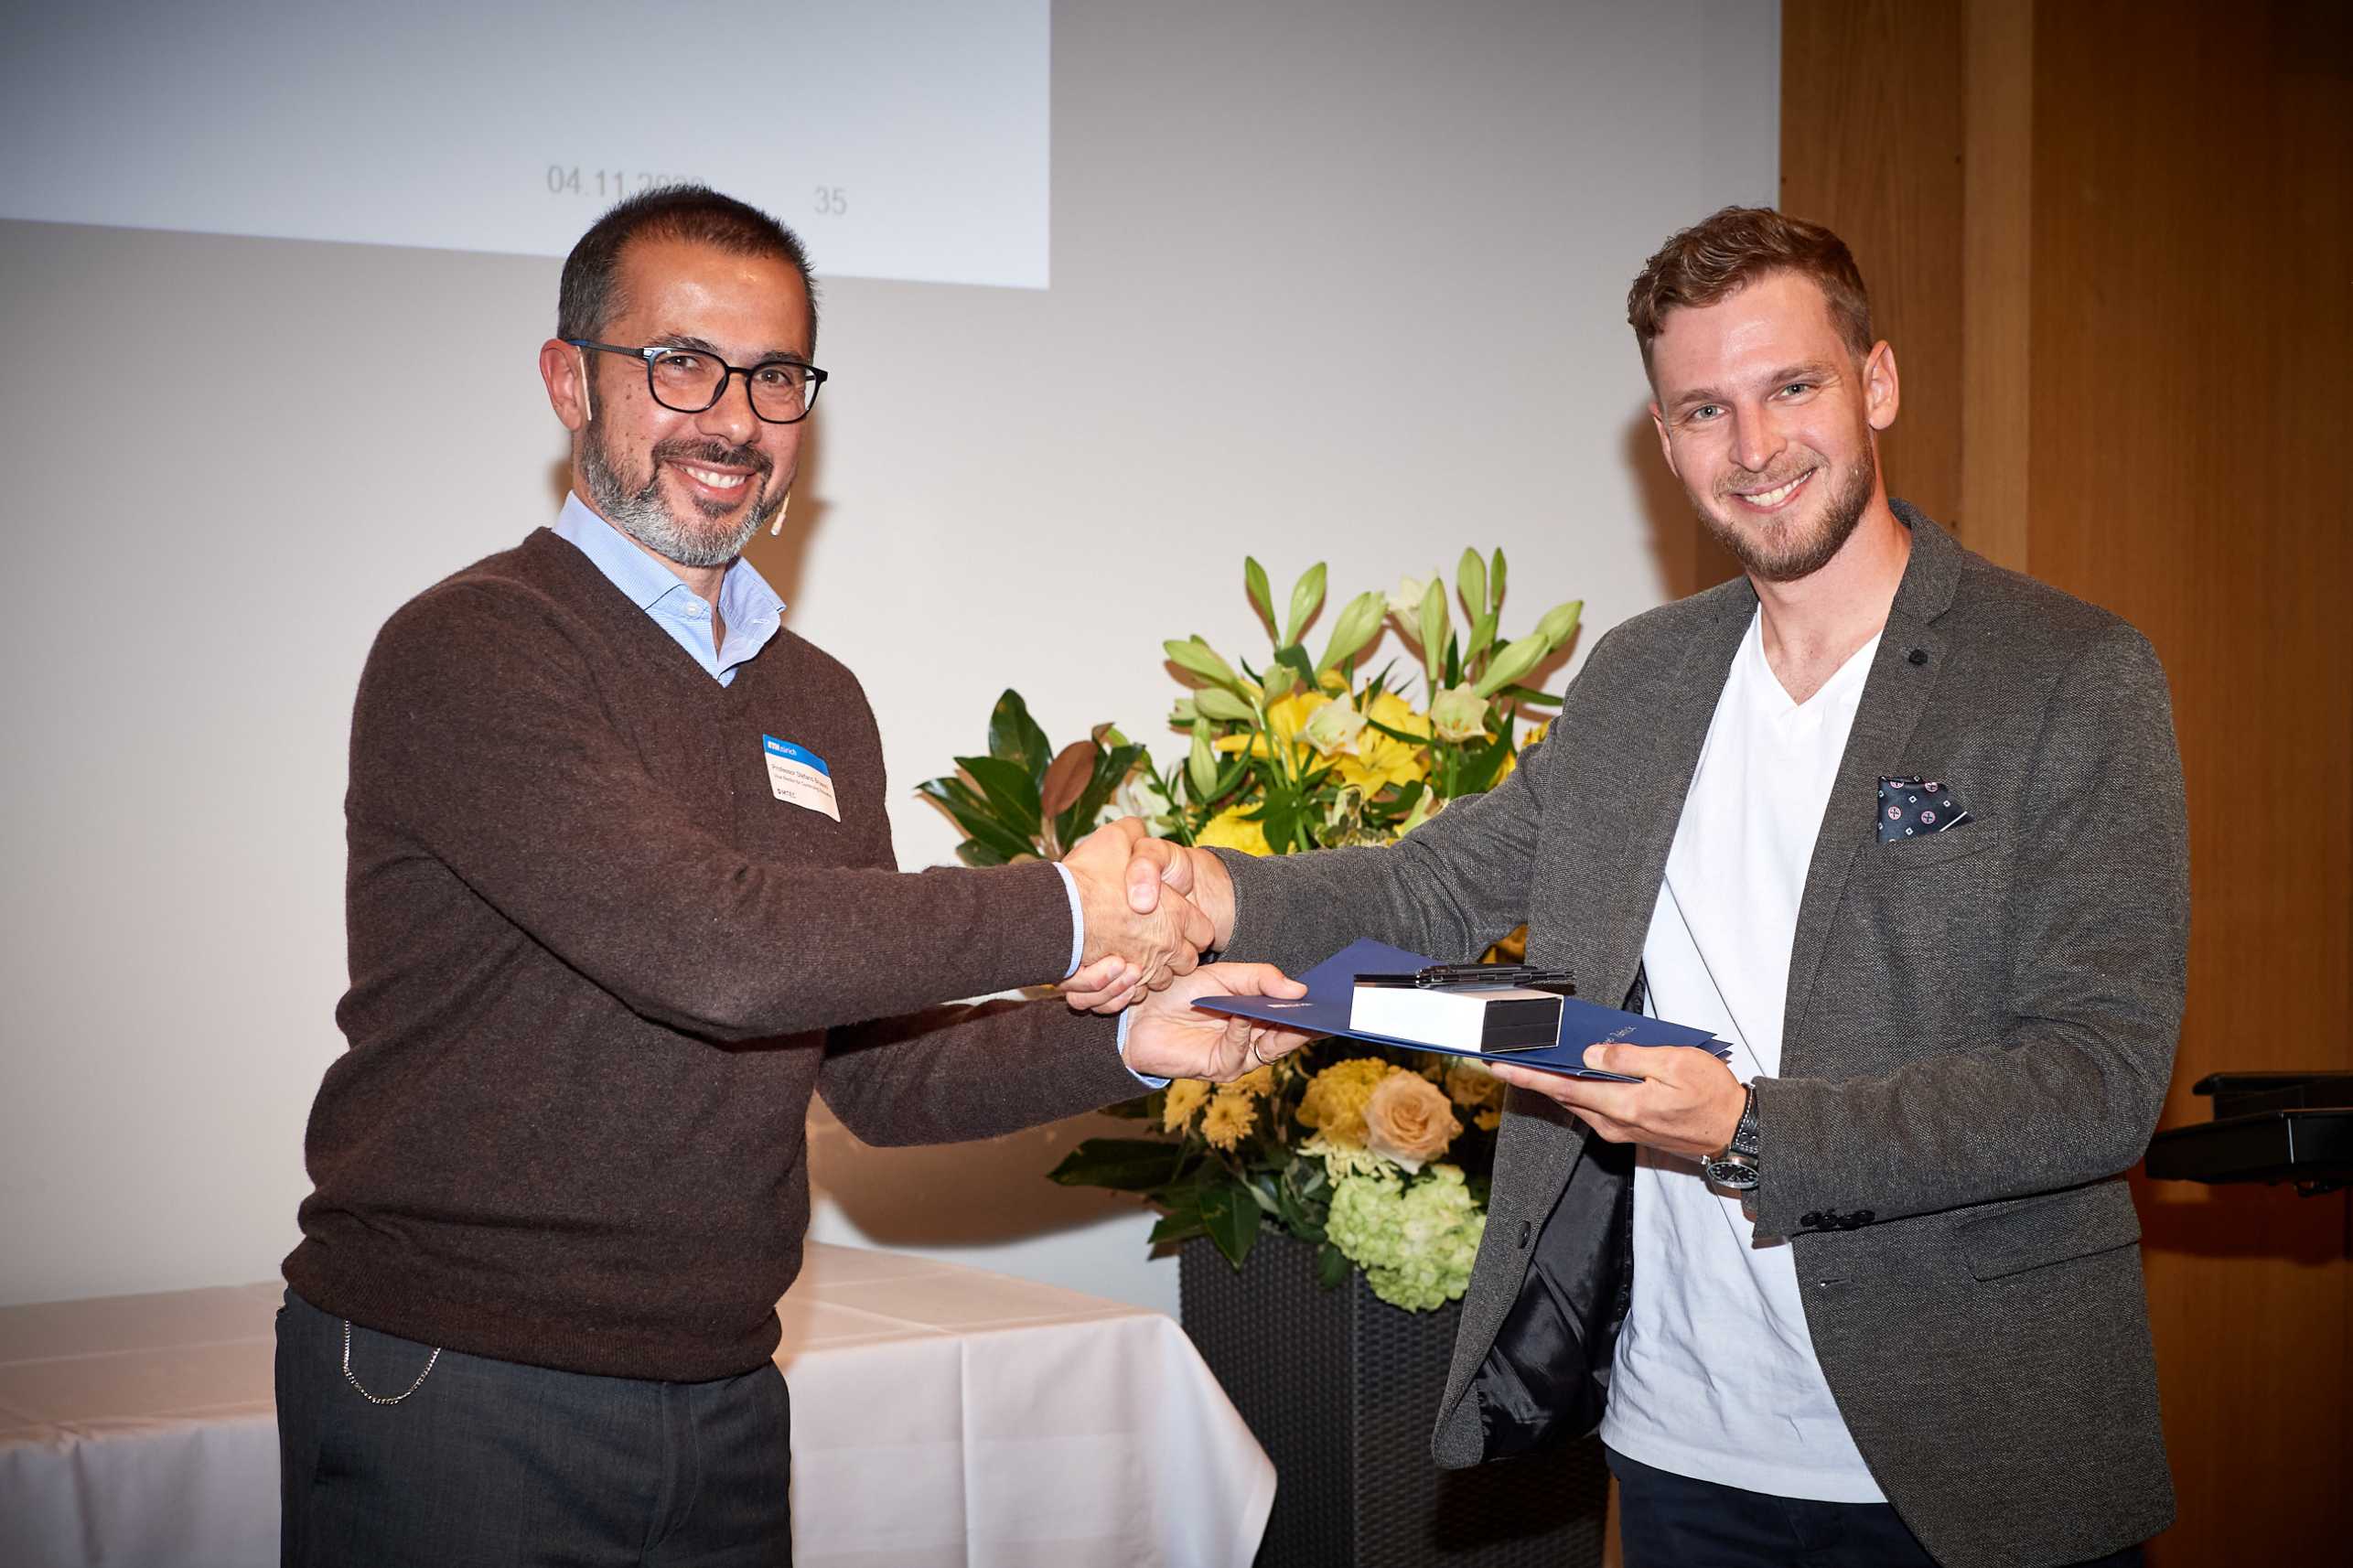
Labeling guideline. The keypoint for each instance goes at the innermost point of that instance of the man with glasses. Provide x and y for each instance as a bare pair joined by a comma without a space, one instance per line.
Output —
621,897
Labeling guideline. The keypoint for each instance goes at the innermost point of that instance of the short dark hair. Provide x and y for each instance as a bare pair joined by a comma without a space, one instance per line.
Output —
1727,252
590,294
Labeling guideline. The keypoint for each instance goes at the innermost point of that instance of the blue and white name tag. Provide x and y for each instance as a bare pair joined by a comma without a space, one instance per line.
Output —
800,776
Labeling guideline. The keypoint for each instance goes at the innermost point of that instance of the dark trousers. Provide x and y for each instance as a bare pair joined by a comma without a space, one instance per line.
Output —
490,1462
1665,1521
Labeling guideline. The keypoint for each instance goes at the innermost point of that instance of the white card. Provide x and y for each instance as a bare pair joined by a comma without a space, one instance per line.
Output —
800,776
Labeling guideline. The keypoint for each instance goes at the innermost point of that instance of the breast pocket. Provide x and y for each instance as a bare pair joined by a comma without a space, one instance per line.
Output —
1937,849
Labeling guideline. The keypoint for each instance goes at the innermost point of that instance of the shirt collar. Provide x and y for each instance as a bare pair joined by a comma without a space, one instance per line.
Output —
745,597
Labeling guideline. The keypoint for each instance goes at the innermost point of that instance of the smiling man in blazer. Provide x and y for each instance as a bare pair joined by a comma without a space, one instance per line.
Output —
1906,830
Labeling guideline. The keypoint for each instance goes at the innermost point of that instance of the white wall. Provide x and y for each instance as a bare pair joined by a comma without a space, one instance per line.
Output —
1335,280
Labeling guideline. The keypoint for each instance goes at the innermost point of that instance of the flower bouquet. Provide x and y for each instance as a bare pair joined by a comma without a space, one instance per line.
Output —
1378,1158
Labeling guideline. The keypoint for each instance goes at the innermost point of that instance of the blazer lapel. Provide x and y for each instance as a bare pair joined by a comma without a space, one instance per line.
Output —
1893,696
1656,786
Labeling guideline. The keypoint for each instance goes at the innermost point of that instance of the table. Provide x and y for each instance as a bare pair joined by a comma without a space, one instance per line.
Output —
941,1416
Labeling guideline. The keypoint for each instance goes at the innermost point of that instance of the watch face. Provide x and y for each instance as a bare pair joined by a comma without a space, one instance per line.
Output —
1731,1173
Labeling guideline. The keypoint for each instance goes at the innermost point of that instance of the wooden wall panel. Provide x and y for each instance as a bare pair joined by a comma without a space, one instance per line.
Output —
2189,287
2151,301
1871,143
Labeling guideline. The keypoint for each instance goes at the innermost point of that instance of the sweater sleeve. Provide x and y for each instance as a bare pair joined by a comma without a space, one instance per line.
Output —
944,1074
480,740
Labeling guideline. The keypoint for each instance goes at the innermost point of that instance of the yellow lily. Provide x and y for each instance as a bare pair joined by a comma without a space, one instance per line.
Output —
1287,716
1227,829
1380,759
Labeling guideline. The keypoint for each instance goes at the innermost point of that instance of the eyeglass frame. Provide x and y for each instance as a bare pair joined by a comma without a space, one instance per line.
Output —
653,352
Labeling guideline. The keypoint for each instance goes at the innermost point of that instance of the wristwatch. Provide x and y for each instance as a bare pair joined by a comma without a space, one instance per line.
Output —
1734,1165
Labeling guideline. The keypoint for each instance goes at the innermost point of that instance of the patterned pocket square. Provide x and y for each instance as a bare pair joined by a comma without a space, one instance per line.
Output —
1913,808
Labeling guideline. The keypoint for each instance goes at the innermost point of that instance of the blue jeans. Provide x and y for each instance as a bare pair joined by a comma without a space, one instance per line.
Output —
1666,1521
492,1463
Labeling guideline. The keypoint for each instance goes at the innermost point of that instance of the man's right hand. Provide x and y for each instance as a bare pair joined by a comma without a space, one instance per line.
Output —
1197,873
1160,933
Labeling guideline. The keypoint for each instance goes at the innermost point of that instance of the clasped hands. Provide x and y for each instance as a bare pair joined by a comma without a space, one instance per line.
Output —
1152,906
1151,909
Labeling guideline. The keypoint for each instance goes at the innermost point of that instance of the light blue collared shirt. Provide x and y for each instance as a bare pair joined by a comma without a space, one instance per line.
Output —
753,614
749,606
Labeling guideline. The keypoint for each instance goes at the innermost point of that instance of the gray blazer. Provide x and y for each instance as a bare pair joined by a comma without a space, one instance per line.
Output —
1979,1029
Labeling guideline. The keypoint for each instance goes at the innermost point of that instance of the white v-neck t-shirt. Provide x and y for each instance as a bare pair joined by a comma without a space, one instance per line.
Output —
1716,1376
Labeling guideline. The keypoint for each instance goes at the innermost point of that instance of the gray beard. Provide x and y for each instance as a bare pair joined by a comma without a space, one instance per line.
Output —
646,517
1798,558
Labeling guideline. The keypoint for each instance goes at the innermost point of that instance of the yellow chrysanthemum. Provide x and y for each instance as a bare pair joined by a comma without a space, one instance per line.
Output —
1380,759
1333,1102
1185,1096
1285,718
1228,1118
1227,829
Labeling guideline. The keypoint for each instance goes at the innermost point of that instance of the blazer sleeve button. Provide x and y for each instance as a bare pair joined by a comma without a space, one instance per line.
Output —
1810,1221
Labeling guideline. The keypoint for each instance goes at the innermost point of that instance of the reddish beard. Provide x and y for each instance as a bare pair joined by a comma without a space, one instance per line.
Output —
1776,551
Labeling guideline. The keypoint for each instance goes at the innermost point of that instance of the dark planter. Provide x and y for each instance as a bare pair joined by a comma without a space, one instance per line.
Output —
1342,1389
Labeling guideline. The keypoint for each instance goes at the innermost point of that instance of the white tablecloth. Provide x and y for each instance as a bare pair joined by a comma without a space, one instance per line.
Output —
941,1416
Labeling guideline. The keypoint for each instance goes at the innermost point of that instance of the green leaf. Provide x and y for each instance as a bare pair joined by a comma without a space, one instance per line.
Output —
1307,597
1495,583
1233,1219
1529,696
1295,658
1123,1165
1261,597
974,852
1014,737
1012,792
1406,736
1331,1266
1480,767
1470,581
980,822
1174,1227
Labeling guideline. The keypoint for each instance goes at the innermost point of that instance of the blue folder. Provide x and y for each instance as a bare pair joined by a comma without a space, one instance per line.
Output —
1331,990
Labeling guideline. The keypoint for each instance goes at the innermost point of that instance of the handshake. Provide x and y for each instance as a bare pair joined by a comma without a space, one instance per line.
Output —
1151,909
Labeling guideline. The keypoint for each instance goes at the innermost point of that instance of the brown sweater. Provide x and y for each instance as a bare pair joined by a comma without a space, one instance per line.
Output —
597,968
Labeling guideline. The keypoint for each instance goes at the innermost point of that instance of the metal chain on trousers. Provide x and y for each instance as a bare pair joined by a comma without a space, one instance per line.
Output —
382,1399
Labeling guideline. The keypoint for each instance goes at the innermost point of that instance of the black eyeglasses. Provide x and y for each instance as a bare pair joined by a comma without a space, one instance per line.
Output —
688,381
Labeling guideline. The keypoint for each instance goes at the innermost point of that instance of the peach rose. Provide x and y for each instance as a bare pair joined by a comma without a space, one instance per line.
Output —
1409,1120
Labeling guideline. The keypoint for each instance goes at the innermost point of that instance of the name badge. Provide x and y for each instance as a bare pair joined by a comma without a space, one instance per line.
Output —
800,776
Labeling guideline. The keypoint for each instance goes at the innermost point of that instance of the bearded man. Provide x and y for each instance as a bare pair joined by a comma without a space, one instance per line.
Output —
1906,830
621,897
